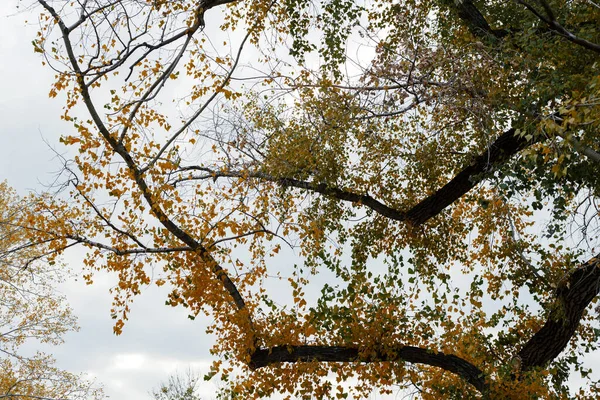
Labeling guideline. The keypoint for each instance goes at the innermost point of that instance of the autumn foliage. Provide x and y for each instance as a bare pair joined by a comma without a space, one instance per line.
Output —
429,167
32,312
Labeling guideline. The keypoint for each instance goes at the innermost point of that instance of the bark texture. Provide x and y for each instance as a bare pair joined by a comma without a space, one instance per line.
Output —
573,296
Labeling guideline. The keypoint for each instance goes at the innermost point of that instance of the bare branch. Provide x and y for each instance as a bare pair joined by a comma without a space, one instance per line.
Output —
191,120
120,252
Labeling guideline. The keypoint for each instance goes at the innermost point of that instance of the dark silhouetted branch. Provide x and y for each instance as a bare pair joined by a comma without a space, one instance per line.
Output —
573,296
451,363
504,147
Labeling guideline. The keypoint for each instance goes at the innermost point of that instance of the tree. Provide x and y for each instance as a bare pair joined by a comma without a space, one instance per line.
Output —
179,387
432,165
30,310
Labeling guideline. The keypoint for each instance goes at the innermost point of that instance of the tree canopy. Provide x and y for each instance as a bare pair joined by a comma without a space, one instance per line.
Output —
429,167
178,387
30,311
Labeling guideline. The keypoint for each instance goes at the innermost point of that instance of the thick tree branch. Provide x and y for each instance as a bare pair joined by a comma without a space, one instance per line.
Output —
475,21
504,147
451,363
573,296
590,153
480,28
555,27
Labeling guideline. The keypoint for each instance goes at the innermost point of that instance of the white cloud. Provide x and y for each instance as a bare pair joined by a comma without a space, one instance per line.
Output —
129,361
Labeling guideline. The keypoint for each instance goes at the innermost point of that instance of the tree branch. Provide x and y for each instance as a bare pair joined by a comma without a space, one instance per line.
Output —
157,211
504,147
590,153
479,27
321,188
575,292
475,21
451,363
556,27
